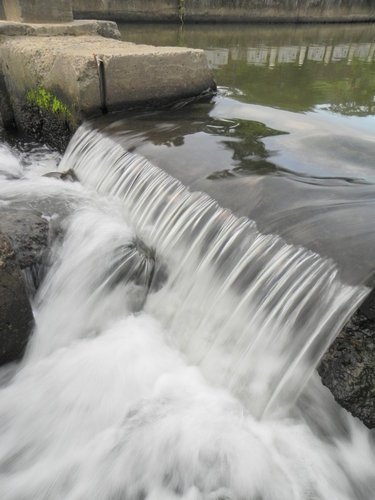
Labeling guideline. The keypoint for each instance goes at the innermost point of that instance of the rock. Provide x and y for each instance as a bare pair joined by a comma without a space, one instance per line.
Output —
68,175
28,233
348,367
368,306
6,112
142,270
16,316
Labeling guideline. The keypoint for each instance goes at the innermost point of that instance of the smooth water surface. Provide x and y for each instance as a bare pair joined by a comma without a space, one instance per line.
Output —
289,140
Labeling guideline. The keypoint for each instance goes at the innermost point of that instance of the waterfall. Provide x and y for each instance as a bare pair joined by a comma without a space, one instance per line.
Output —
254,313
164,328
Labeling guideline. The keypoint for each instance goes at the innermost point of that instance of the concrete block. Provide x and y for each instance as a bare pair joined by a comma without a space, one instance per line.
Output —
56,82
34,11
107,29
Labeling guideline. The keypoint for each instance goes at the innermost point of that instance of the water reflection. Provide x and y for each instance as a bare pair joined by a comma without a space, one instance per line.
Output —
271,56
313,65
289,141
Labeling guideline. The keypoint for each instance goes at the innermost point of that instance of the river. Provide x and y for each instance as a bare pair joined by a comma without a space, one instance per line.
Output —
290,137
185,306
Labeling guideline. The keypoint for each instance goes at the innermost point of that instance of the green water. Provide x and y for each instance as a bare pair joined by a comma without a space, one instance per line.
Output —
295,68
289,140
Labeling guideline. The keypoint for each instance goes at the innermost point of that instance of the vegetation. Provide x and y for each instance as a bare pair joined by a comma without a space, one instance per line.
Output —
47,101
181,10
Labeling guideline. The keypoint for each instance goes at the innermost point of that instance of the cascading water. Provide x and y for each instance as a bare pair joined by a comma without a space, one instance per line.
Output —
254,313
123,397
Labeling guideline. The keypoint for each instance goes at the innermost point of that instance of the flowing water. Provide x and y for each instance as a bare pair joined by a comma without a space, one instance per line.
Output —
175,343
289,140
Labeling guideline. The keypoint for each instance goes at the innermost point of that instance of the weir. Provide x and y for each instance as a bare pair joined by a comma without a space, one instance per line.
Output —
171,339
255,313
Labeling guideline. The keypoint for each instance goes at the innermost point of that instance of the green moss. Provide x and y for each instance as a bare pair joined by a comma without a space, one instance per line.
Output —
181,10
47,101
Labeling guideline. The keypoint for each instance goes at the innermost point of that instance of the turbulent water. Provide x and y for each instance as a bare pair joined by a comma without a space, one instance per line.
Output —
172,370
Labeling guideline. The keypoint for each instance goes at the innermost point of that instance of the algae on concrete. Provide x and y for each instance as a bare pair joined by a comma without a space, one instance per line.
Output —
49,102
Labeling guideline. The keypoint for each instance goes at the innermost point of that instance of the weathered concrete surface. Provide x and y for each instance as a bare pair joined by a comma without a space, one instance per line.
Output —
29,11
278,10
124,10
54,83
226,10
107,29
16,316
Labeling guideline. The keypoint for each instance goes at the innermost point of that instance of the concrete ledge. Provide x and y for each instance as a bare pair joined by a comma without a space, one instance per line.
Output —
107,29
53,83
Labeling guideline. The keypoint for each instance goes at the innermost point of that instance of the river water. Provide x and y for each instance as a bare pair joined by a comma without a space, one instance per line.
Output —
290,139
175,340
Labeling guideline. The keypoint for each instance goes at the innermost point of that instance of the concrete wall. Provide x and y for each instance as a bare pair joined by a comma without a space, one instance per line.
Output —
227,10
279,10
38,10
127,10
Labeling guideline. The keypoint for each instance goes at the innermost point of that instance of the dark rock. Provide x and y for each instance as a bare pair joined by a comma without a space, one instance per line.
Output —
68,175
368,306
141,269
42,125
348,367
6,112
16,316
28,233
